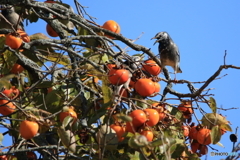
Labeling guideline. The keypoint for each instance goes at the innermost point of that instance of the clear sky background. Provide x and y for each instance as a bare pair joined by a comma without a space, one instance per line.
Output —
203,30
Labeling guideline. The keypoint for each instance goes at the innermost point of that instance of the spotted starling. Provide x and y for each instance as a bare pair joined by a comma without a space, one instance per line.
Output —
12,17
168,50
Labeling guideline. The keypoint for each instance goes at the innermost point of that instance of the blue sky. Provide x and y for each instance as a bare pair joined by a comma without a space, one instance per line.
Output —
203,30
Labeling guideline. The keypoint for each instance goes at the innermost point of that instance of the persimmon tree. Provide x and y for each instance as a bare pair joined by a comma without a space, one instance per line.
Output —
82,96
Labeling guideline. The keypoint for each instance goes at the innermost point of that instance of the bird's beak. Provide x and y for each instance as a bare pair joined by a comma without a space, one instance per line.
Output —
155,41
153,38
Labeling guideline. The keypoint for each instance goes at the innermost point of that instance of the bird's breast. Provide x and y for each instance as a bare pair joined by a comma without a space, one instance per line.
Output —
167,62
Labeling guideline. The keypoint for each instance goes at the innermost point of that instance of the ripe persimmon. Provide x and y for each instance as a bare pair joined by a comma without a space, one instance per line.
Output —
185,130
111,26
51,32
28,129
187,115
50,89
6,107
160,107
3,157
130,128
151,67
120,130
157,87
138,117
203,136
13,41
24,36
152,116
186,107
17,68
144,87
194,146
203,149
11,93
7,92
148,134
68,111
193,132
118,76
162,115
15,92
111,66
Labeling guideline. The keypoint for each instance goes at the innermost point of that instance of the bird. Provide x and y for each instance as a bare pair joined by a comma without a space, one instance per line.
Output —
168,50
12,17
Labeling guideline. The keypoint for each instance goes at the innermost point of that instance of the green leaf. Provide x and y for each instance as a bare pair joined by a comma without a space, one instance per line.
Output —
226,127
212,119
175,112
67,138
56,57
107,137
124,117
102,111
4,81
194,157
104,58
138,141
213,105
87,95
68,90
129,134
136,156
162,141
95,58
9,60
32,17
89,41
177,149
141,103
215,134
54,101
75,126
45,84
66,121
107,91
146,152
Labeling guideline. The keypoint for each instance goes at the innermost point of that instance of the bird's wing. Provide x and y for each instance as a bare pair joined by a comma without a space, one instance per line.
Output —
177,50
